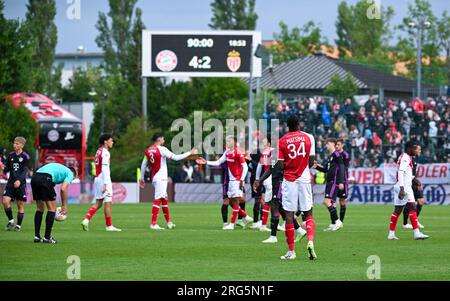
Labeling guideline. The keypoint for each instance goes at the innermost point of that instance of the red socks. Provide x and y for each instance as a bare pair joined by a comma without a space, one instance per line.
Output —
310,227
235,213
242,212
265,214
414,221
108,221
394,218
165,207
155,210
91,213
290,236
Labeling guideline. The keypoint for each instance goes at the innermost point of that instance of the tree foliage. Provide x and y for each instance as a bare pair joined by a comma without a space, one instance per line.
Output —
291,44
433,40
341,88
21,124
40,24
362,28
15,55
120,38
233,14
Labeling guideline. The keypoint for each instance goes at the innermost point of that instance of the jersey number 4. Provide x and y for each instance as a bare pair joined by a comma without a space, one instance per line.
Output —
293,152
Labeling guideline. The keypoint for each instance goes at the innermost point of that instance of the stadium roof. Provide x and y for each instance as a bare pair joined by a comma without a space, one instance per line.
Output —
315,72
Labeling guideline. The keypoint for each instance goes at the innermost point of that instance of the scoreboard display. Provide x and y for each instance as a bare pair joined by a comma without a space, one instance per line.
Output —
200,54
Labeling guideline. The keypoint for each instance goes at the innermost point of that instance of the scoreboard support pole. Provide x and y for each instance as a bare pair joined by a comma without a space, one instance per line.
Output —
144,102
250,101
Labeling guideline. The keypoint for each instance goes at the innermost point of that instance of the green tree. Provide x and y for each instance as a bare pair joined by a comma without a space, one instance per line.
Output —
291,44
15,55
135,49
121,106
233,14
434,72
363,31
82,82
42,30
128,151
120,38
363,28
23,125
443,33
340,88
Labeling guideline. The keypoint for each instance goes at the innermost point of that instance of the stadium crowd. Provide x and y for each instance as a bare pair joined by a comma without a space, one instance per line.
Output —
376,130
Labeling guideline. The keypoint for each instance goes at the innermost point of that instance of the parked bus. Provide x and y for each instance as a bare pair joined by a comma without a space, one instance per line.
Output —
61,136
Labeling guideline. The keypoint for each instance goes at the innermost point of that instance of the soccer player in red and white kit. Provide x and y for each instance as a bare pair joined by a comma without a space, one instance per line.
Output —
157,155
404,194
102,184
296,151
263,165
237,170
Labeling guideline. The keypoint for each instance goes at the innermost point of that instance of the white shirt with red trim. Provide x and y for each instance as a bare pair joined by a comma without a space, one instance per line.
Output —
156,156
102,165
405,171
236,165
295,148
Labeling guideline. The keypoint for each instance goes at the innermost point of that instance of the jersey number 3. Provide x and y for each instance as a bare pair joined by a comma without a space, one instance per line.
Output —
293,152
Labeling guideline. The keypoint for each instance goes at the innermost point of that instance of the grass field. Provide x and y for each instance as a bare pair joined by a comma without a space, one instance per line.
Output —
199,250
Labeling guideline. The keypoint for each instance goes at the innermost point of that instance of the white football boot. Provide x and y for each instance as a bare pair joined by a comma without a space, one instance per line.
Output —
113,229
270,240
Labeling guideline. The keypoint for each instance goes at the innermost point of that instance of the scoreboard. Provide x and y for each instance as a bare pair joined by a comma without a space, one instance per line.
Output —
200,53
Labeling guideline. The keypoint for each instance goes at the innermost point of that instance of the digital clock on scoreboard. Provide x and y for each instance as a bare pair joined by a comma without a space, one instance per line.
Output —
200,53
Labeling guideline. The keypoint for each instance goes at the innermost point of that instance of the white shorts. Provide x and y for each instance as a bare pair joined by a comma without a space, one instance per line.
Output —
234,191
98,190
160,189
268,189
409,196
296,196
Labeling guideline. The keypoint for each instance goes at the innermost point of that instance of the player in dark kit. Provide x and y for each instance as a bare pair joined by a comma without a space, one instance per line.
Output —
252,161
226,200
343,194
335,170
418,193
15,190
276,207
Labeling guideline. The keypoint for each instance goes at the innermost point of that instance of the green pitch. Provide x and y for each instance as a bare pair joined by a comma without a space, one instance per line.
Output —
199,250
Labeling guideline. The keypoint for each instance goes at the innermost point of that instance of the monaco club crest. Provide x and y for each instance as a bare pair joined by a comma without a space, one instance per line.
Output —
234,60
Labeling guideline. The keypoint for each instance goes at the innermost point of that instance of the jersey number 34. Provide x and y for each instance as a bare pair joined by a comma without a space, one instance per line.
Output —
293,152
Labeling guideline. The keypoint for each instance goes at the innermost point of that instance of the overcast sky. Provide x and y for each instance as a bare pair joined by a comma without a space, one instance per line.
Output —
196,14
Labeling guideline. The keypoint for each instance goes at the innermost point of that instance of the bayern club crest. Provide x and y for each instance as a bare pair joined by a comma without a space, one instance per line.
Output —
234,61
166,60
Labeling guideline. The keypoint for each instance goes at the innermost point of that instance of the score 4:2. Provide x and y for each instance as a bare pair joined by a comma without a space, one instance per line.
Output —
200,63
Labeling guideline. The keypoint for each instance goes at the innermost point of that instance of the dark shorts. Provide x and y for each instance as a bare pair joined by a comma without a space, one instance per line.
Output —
276,192
43,187
16,193
417,194
343,194
331,190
